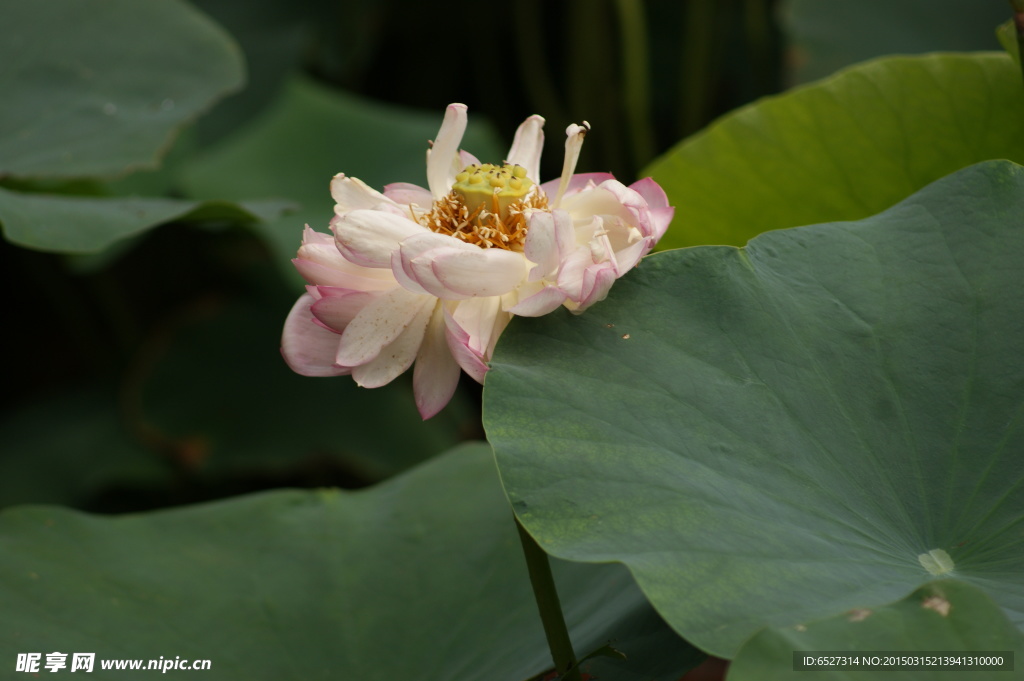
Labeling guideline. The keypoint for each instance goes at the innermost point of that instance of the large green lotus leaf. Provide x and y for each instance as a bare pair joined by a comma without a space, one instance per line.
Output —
766,435
419,578
945,616
99,87
311,134
826,36
842,149
89,224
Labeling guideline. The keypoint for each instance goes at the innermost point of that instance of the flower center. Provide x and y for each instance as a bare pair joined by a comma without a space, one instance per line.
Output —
490,188
487,207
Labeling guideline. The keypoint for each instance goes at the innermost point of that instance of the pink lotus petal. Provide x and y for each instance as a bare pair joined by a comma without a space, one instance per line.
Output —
443,162
413,266
478,272
404,279
406,194
570,275
627,258
436,375
398,355
547,300
484,320
470,360
597,281
651,192
337,307
378,325
527,146
661,218
368,237
309,349
350,193
467,159
550,235
577,183
352,276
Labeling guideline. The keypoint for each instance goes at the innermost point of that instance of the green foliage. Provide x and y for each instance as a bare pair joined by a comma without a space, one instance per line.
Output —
90,89
842,149
89,224
944,616
420,578
827,36
777,433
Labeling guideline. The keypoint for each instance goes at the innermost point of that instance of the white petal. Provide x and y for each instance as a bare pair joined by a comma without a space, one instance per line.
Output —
378,325
548,299
478,272
527,147
459,342
436,375
308,348
407,193
414,270
577,182
483,320
570,275
443,161
550,235
398,355
368,237
573,145
350,193
597,281
353,277
338,307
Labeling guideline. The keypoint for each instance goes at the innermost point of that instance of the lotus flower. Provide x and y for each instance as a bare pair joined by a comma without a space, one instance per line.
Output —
433,276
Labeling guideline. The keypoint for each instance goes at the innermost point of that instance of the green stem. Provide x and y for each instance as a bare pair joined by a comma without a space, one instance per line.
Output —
550,610
698,64
633,25
1018,23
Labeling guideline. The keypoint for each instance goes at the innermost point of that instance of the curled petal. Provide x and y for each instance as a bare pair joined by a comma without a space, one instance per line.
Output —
597,281
468,359
549,238
443,161
351,193
397,356
407,194
378,325
350,276
478,273
527,146
339,306
577,182
651,192
545,300
657,205
307,348
436,375
472,329
368,237
321,263
454,270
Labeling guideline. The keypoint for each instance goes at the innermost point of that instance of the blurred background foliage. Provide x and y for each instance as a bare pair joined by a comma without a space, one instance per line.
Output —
158,161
